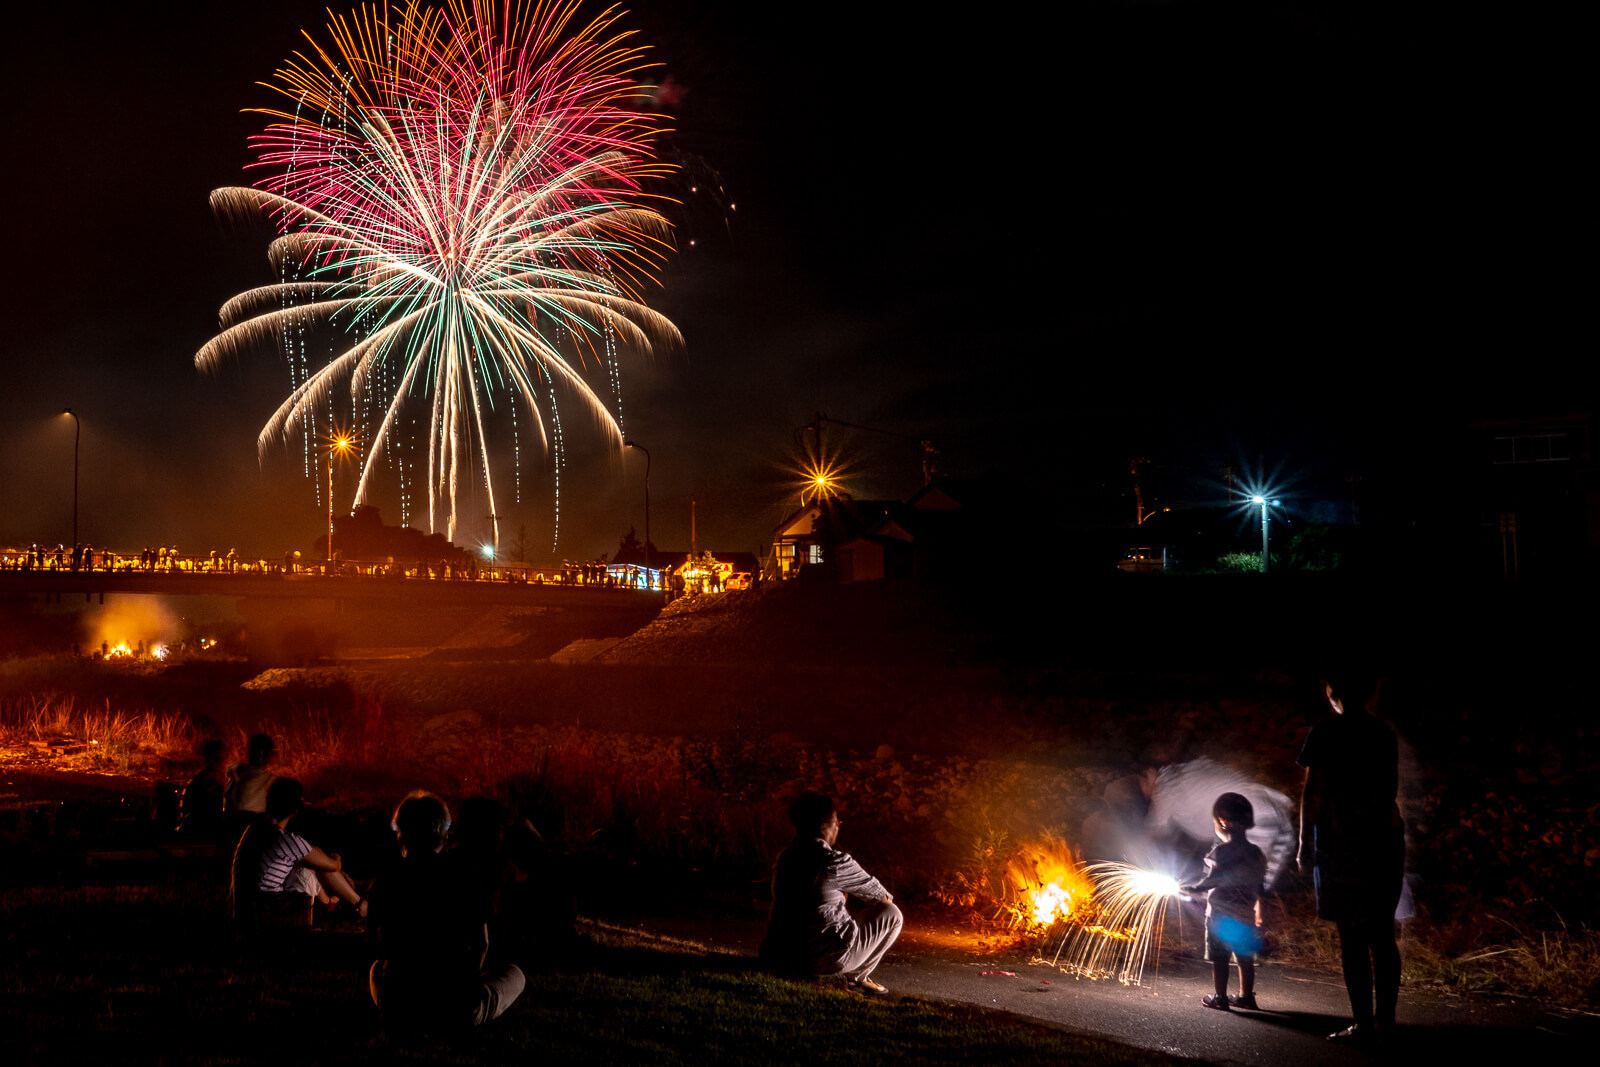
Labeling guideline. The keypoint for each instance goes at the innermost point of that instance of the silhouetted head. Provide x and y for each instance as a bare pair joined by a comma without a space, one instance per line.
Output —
814,815
285,796
1234,812
260,750
421,821
212,751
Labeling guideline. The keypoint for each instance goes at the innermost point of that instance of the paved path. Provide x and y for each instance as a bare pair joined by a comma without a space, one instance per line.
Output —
1301,1007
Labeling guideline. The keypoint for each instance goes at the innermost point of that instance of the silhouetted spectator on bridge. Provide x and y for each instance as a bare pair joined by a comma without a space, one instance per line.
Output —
200,812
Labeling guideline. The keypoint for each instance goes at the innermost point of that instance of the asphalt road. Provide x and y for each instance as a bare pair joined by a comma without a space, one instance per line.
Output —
1299,1008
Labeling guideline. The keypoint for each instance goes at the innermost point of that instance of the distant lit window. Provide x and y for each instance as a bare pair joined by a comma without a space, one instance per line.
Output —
814,555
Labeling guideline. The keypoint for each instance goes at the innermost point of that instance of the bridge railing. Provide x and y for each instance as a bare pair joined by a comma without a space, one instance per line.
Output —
595,574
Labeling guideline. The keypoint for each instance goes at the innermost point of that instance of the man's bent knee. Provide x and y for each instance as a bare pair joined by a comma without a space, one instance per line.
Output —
500,991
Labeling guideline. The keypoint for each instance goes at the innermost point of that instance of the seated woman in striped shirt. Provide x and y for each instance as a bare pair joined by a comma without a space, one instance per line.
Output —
278,873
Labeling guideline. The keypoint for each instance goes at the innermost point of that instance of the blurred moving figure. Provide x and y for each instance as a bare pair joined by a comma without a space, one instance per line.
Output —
1182,798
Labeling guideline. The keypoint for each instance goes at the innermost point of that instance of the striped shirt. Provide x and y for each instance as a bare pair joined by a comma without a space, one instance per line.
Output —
267,859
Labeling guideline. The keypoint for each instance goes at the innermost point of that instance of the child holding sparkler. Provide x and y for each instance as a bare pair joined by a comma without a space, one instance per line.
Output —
1235,870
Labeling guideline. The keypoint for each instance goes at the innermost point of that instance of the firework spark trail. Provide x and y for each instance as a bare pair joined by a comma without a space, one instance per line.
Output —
470,202
1131,909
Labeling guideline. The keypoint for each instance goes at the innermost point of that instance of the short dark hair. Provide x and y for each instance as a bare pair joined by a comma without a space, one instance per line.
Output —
809,812
260,748
285,796
422,820
1235,810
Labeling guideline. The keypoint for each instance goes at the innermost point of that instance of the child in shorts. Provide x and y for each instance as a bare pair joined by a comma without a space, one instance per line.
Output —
1235,870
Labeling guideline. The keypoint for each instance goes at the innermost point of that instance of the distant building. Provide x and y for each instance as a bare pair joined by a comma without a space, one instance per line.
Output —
1538,501
947,528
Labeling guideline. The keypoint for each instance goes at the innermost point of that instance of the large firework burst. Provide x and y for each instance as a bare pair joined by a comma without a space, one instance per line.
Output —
460,194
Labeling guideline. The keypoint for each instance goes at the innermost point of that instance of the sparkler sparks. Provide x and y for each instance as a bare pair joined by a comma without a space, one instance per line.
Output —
460,190
1130,912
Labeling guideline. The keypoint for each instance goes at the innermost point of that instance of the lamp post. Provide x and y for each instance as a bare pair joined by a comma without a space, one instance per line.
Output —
77,436
340,444
1264,504
646,451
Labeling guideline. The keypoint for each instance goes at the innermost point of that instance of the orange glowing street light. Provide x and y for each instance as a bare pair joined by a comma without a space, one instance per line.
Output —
823,481
339,443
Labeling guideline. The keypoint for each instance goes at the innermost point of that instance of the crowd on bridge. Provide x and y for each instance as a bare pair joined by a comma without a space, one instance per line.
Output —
167,560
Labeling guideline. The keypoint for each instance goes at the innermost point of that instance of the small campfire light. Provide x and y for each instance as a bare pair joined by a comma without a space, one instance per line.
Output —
1048,882
1050,903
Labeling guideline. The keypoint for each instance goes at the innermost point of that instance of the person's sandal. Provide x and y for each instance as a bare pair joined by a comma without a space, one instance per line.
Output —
868,986
1211,1000
1247,1002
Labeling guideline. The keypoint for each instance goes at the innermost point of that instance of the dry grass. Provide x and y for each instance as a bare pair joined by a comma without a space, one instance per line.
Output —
1559,967
119,740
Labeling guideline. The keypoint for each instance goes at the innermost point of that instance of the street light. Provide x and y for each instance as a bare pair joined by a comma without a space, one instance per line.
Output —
1264,504
77,435
649,578
340,443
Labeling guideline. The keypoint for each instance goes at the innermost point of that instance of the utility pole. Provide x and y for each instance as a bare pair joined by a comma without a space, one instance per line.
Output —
1136,467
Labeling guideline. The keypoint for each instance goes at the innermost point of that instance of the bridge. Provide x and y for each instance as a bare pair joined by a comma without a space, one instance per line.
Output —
531,588
297,614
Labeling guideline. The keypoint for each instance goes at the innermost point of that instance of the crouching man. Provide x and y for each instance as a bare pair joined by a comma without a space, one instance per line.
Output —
811,931
431,938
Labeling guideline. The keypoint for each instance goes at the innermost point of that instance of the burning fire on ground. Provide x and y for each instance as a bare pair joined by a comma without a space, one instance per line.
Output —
1110,915
1047,880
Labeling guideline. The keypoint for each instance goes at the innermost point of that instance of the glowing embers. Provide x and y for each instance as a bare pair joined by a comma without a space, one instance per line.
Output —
139,652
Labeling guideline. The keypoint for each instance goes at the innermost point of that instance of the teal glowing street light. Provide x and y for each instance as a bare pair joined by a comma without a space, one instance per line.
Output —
649,578
1265,505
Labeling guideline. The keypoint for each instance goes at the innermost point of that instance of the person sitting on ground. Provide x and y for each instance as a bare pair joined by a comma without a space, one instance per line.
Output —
278,875
200,813
1235,870
246,792
432,943
811,932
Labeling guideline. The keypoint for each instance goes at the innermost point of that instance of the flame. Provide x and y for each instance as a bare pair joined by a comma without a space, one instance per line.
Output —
1049,902
1048,879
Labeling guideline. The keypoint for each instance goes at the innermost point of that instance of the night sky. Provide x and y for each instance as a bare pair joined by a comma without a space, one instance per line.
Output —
1318,239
